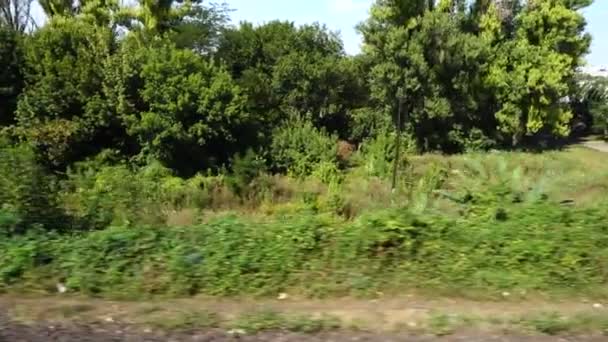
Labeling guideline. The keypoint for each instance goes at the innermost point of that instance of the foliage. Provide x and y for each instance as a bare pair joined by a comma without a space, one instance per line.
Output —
55,8
176,105
298,147
368,123
62,111
245,169
396,249
98,196
26,193
156,16
471,78
591,102
117,120
532,73
377,155
172,82
11,81
285,69
201,28
430,63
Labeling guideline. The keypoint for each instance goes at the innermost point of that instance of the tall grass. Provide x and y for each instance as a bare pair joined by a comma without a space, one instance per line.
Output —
538,247
469,223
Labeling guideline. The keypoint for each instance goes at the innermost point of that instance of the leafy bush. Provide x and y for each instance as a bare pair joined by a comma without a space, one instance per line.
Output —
378,154
538,246
27,195
298,148
487,187
176,104
62,111
99,196
245,169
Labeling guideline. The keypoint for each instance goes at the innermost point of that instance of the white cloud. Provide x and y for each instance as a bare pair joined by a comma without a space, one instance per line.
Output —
348,5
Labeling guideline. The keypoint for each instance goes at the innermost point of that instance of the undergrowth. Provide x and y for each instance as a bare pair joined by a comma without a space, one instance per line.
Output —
472,224
535,247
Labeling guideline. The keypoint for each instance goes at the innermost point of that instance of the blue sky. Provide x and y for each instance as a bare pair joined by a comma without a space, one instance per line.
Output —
343,15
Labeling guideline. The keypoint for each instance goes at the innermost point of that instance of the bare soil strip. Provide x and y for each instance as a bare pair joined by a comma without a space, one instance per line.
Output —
396,319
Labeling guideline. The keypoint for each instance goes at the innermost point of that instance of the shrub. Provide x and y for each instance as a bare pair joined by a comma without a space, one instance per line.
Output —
377,154
110,195
328,173
368,123
27,195
119,195
245,168
539,246
298,148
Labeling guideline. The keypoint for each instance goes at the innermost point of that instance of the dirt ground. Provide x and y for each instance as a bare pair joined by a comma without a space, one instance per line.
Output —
73,319
13,332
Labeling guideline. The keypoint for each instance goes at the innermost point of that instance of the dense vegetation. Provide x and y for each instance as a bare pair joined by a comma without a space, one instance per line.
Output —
177,84
158,149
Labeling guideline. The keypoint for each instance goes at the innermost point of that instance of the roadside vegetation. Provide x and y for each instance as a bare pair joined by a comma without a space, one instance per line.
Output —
154,151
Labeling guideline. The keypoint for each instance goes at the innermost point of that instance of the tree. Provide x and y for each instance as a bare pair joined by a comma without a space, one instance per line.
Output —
424,58
16,14
11,78
54,8
498,72
180,109
201,28
287,70
62,111
99,12
532,74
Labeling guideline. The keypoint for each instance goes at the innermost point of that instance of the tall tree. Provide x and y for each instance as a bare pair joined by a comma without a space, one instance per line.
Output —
532,73
54,8
16,14
62,111
11,78
424,58
287,70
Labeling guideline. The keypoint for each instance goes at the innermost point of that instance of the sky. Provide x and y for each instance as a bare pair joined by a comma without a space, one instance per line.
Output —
343,16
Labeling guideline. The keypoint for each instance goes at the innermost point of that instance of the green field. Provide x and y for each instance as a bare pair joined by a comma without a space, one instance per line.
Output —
472,225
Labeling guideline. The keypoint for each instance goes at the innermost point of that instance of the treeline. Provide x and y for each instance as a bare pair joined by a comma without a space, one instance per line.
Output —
175,82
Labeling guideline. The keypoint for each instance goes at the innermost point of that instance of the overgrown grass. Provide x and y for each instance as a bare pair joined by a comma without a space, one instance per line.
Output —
98,196
577,174
471,224
528,247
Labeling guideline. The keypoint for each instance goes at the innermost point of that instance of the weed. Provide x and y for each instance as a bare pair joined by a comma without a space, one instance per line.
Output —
271,320
554,323
442,324
183,320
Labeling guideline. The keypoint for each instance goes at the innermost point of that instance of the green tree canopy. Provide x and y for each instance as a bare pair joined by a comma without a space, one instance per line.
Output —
180,108
287,70
62,111
11,81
